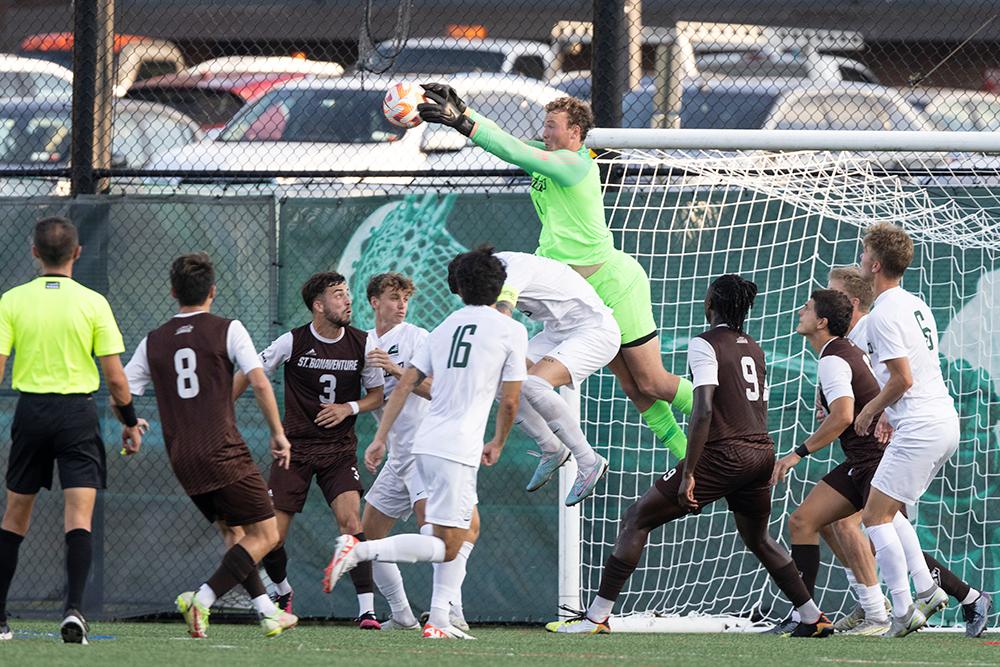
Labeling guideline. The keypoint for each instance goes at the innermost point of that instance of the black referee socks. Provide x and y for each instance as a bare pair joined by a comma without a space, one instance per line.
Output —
79,551
9,545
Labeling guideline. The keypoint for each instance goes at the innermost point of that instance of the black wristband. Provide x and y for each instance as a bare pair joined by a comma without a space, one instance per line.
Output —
128,414
465,125
802,450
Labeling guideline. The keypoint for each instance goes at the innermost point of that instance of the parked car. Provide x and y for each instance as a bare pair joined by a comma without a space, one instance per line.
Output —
337,124
31,77
266,65
964,110
446,55
136,57
37,136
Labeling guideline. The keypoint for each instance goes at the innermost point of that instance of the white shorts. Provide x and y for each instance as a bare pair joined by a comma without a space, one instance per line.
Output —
583,352
451,490
914,457
397,488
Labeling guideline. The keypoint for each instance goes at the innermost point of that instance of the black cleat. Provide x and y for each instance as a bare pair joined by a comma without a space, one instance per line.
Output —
783,628
5,632
977,614
74,628
821,628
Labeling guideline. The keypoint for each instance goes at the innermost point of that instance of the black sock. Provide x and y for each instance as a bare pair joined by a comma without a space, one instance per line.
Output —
79,551
806,558
361,576
790,583
236,566
253,585
9,545
616,573
947,580
276,564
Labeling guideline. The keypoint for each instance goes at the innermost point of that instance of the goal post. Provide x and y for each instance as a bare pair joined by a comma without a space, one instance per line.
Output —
782,209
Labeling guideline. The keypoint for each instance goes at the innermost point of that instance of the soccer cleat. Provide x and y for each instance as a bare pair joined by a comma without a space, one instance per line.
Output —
343,559
821,628
5,632
579,626
548,466
784,628
447,632
586,481
277,623
868,628
368,621
977,614
903,625
195,614
73,628
456,619
283,602
393,624
851,621
928,605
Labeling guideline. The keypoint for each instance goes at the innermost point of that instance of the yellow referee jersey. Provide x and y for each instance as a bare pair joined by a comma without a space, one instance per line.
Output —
56,327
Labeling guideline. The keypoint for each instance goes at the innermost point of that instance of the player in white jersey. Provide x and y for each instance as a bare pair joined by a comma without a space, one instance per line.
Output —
398,489
580,336
468,355
902,340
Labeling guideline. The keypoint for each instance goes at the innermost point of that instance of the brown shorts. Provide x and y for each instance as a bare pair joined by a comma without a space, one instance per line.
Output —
334,475
739,473
243,502
853,481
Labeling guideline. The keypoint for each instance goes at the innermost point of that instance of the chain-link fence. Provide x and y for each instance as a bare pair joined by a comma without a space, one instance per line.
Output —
207,89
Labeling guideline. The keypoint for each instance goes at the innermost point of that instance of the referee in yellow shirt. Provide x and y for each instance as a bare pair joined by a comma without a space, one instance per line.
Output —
56,327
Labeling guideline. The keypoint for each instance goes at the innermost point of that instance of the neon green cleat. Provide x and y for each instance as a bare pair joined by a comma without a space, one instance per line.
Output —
579,626
277,623
195,614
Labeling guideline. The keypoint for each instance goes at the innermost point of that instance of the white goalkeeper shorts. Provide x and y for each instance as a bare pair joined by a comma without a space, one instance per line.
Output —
913,458
582,351
451,490
397,488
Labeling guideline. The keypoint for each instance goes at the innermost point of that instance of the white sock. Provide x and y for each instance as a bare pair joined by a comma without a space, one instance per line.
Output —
535,428
366,603
892,561
283,587
463,556
205,596
923,582
796,616
263,605
560,419
873,602
390,584
600,609
808,613
852,581
407,548
448,578
971,597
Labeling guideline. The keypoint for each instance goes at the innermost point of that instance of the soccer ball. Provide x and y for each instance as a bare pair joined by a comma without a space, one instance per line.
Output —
400,104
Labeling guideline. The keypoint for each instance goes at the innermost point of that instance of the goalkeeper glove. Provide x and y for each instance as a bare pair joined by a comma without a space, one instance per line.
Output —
446,108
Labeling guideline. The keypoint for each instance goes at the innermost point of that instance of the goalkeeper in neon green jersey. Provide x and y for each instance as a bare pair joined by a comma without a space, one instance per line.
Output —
566,192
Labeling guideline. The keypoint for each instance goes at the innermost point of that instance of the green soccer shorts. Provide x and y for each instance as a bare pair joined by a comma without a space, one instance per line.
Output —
623,286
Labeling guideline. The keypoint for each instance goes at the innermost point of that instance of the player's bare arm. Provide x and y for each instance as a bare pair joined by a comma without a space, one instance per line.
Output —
334,413
510,398
701,419
240,384
900,380
376,450
114,375
281,449
380,359
840,417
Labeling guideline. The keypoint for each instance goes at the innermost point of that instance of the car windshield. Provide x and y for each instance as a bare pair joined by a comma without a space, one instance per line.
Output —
751,65
440,60
326,116
725,109
208,108
33,84
34,138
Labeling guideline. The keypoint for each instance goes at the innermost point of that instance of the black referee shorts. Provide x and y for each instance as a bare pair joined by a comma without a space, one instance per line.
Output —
56,429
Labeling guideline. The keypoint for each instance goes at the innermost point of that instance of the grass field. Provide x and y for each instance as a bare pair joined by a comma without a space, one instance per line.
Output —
151,644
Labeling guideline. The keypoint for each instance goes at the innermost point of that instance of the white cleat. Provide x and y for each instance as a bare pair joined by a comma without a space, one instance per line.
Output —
586,481
868,628
393,624
344,558
447,632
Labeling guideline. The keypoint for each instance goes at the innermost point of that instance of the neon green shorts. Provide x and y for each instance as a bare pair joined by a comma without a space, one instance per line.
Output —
623,286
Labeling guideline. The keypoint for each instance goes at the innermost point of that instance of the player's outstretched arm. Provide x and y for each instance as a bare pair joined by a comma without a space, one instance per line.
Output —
510,399
701,419
840,417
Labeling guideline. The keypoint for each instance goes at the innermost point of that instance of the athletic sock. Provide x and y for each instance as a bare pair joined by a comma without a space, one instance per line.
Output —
806,559
809,612
463,557
660,419
407,548
205,596
361,577
390,584
10,543
949,581
616,573
556,413
276,565
79,552
915,561
892,562
971,596
448,577
235,567
684,398
873,602
283,587
600,609
253,584
788,581
534,427
263,605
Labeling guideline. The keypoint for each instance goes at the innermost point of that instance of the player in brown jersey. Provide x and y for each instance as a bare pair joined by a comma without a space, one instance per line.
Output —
729,455
190,362
325,369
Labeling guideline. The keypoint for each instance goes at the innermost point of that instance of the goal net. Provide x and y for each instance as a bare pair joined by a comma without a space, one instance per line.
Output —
783,220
